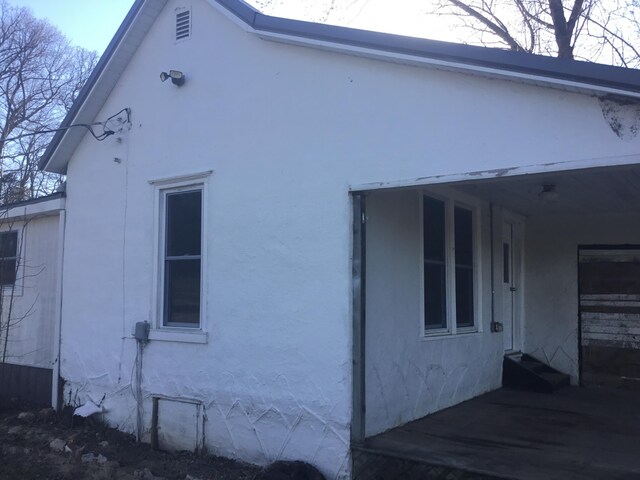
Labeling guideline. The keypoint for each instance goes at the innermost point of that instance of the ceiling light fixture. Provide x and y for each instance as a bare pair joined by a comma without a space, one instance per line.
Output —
548,194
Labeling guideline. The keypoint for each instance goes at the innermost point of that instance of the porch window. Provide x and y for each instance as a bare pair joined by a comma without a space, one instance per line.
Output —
182,257
448,243
435,266
463,254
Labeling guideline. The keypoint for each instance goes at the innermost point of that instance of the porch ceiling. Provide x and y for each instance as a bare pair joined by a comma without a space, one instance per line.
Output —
614,189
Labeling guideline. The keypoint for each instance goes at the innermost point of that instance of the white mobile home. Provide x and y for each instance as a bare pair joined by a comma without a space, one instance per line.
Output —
31,234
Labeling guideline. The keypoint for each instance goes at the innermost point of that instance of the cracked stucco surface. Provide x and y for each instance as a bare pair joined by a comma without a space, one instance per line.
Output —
244,424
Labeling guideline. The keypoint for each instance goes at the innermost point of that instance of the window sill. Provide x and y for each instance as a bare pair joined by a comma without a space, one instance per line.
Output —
6,290
448,335
183,336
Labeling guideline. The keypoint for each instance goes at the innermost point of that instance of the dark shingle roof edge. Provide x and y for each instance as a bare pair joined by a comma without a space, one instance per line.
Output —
604,77
32,201
598,75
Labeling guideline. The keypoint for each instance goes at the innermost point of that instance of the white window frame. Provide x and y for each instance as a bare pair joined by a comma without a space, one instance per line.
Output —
163,188
451,201
18,285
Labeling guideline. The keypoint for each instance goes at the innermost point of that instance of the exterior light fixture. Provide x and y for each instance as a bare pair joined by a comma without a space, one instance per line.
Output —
176,76
548,194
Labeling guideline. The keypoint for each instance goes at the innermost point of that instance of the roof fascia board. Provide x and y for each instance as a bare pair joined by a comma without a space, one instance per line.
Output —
101,82
603,162
239,9
30,209
240,13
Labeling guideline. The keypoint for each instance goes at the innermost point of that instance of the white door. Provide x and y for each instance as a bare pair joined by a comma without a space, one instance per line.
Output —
510,284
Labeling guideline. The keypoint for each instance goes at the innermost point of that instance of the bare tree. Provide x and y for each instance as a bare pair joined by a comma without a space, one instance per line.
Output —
40,76
13,275
605,31
318,11
594,30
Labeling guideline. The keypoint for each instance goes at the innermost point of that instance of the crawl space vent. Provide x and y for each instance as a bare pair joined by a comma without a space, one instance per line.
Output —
183,24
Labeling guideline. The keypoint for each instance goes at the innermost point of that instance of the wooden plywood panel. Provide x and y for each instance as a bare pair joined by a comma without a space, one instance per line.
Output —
610,277
610,317
612,326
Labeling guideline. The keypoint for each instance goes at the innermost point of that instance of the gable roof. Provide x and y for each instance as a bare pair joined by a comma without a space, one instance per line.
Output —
590,78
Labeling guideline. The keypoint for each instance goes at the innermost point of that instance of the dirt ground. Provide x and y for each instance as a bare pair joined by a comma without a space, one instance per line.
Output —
40,444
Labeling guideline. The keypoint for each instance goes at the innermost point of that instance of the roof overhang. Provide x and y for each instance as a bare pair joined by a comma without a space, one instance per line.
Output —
605,185
572,75
37,207
101,82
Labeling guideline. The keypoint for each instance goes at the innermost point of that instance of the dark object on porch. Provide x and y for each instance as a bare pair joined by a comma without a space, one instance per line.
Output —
27,385
283,470
575,434
527,373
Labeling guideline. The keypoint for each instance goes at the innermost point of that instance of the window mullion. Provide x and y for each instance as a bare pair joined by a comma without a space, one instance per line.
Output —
450,267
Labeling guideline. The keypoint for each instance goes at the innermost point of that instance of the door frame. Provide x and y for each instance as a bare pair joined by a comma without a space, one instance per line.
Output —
517,223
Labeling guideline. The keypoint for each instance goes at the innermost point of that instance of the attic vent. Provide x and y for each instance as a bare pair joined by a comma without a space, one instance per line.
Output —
183,24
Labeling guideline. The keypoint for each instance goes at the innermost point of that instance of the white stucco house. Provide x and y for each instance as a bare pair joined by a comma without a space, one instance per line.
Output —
31,234
314,219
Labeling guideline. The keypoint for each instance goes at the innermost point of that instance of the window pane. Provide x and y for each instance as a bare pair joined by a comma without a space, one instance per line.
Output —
435,271
8,244
433,212
7,271
463,224
464,297
435,311
183,228
182,292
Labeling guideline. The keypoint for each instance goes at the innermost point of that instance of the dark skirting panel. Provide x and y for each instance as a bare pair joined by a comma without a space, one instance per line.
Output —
27,385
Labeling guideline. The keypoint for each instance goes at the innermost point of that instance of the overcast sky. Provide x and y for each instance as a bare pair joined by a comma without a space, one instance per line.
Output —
92,23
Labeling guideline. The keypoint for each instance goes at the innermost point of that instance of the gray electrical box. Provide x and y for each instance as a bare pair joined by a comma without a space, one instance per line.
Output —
142,331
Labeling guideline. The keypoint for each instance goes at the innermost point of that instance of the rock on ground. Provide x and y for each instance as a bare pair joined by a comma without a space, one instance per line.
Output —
37,445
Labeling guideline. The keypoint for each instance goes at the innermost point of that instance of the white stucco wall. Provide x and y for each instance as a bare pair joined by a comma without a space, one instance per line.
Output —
551,304
31,336
286,131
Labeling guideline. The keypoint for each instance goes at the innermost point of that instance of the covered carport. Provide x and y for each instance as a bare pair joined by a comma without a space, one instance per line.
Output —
533,226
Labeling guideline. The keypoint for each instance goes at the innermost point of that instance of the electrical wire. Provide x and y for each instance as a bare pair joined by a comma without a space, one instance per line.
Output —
89,126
